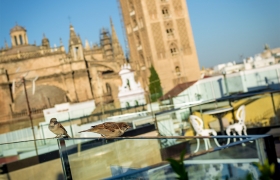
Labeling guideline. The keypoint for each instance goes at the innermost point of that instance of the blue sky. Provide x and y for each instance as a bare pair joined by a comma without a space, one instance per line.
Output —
223,30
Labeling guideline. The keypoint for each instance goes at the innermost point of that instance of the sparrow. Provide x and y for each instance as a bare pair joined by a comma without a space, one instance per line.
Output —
57,128
109,129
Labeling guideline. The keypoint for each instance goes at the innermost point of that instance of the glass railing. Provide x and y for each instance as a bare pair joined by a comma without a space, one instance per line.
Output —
143,158
136,157
30,160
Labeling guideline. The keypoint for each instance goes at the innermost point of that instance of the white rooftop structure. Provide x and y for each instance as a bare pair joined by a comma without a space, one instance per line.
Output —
130,93
68,111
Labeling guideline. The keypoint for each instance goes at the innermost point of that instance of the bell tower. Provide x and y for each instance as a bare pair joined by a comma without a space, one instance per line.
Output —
18,36
75,45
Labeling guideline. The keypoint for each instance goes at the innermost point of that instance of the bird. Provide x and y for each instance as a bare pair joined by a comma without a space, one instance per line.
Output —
57,128
109,129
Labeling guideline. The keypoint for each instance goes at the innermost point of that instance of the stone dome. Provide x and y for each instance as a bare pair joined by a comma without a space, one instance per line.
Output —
45,40
17,28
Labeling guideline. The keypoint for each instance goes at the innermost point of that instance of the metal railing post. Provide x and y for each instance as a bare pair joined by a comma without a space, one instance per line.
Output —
64,159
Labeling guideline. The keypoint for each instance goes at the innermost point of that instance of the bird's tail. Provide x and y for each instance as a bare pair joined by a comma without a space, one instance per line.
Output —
67,136
84,131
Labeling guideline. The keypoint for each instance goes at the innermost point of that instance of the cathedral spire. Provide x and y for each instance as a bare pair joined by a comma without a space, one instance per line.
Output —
114,34
118,52
72,32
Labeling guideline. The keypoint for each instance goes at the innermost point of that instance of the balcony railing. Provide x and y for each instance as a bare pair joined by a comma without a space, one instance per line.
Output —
136,157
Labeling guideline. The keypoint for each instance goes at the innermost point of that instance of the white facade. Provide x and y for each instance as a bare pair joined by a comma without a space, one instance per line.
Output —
130,93
257,62
250,63
243,81
68,111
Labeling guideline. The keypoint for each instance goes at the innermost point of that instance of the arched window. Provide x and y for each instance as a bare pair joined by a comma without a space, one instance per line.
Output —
108,88
15,38
77,51
177,69
20,39
169,31
165,12
173,49
138,40
128,84
134,23
142,59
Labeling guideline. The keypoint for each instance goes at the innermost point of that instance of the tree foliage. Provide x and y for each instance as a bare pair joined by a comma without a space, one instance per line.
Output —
154,85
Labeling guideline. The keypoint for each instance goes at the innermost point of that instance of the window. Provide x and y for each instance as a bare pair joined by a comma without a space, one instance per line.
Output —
169,31
20,39
15,40
173,49
138,40
134,23
128,84
127,104
77,50
177,69
142,60
165,12
108,88
136,103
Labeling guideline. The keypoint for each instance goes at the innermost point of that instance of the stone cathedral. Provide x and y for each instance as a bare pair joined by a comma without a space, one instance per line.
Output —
83,73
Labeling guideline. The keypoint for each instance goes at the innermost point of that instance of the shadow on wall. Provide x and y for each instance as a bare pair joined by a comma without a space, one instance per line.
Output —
220,82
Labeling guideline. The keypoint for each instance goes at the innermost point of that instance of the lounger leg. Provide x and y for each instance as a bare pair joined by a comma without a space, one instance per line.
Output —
206,144
228,133
245,132
234,139
209,143
240,134
216,141
197,144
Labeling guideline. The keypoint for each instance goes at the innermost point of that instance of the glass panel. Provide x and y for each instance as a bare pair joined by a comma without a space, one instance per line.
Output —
18,159
145,158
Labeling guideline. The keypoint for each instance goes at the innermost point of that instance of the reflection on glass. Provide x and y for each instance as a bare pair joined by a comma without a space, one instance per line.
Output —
145,158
